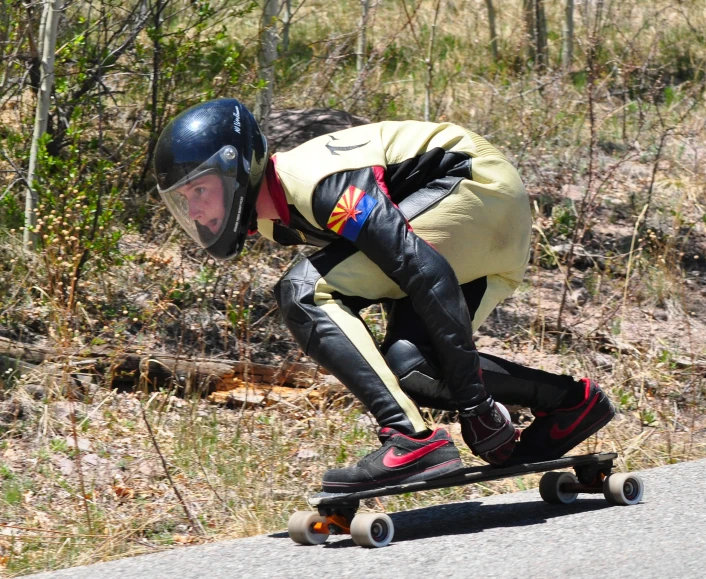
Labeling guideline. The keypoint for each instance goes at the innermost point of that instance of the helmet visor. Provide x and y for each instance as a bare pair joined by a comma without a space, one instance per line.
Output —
201,201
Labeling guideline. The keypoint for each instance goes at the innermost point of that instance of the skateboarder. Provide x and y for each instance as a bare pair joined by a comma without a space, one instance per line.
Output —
429,219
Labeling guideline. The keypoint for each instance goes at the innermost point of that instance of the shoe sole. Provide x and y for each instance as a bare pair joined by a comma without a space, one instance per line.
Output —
436,471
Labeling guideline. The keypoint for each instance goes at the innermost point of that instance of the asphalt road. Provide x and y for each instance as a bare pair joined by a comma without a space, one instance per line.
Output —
504,536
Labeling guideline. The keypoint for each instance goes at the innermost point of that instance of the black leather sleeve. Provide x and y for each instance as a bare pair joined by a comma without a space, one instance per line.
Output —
384,236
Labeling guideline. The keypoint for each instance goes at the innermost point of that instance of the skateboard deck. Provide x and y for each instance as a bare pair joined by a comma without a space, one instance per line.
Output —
465,476
337,512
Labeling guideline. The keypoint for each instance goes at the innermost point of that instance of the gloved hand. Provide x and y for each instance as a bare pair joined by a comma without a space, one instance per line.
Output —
487,430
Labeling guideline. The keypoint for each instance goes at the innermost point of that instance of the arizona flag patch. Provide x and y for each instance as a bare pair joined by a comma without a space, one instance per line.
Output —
350,213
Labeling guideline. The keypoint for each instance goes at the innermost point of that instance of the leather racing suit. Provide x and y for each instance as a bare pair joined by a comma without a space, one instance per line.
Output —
427,215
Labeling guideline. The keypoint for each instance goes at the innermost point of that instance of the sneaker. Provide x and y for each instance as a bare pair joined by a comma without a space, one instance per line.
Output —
401,459
553,434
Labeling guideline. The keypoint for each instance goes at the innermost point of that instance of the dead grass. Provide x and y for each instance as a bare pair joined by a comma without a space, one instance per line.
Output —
242,471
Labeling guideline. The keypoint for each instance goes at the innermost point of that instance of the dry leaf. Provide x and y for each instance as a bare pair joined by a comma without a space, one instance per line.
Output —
66,466
306,453
90,459
83,443
184,539
41,519
124,493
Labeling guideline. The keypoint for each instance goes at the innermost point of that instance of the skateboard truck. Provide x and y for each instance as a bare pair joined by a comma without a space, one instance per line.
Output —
338,519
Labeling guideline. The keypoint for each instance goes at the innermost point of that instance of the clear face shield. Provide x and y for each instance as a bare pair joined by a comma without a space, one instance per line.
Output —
201,201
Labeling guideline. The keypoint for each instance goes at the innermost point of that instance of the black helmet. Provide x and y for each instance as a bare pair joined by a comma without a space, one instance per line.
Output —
210,161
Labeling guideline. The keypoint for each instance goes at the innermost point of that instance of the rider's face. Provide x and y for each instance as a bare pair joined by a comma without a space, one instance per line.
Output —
205,198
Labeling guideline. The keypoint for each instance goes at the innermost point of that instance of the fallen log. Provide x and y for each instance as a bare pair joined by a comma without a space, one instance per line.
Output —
128,370
204,375
30,353
248,395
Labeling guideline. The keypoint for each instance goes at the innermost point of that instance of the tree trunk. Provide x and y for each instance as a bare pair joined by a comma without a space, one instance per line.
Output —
530,28
52,12
567,49
5,29
286,23
536,31
541,24
430,65
157,12
267,57
35,48
360,51
493,30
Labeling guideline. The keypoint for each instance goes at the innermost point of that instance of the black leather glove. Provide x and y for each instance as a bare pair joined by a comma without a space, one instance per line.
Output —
487,430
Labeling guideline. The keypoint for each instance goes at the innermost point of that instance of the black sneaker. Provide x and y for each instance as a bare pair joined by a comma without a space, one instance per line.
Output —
402,459
552,434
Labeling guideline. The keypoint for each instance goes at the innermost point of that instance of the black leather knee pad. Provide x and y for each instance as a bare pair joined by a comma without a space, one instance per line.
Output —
505,381
419,378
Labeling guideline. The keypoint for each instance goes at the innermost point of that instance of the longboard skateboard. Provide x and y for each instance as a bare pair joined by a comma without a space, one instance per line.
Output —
337,514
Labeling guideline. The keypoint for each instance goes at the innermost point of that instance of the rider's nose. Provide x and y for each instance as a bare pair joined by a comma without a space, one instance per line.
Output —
195,211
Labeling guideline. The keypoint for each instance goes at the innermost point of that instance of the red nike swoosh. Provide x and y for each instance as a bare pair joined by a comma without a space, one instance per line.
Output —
392,460
557,433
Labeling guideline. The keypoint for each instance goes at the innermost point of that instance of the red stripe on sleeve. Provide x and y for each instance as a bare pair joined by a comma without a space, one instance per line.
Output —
379,173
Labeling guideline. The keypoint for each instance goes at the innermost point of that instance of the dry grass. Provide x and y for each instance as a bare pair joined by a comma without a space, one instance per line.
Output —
242,471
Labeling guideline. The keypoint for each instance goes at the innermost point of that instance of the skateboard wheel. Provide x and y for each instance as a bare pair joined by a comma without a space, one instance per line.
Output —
550,488
372,530
300,528
623,489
